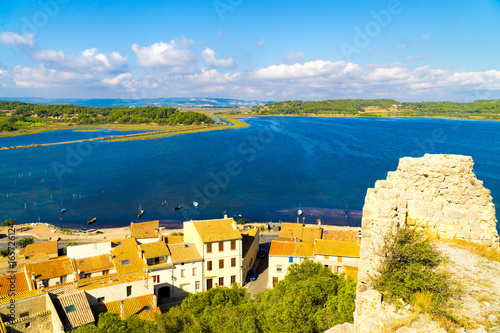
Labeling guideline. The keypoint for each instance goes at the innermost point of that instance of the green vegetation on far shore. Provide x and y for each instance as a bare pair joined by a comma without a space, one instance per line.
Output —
480,109
16,116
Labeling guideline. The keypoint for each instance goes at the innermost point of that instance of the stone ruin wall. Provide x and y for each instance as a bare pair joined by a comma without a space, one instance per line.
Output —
439,194
436,193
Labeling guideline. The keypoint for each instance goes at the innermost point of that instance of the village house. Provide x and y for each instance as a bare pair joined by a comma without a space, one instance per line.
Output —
145,232
50,273
187,273
220,244
335,249
45,248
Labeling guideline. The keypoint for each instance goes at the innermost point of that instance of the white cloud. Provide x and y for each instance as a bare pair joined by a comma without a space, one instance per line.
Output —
174,55
426,36
402,46
117,79
209,57
42,77
260,42
294,57
12,39
88,60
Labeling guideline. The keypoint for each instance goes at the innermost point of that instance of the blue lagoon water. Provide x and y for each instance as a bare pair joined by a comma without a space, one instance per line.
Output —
264,172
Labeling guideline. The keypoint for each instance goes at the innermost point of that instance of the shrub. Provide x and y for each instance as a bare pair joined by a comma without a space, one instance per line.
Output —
408,273
25,242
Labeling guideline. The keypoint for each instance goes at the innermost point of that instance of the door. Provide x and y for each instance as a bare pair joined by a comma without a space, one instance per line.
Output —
209,284
275,281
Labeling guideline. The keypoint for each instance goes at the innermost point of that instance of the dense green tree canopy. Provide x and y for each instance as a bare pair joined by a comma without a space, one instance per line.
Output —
18,114
309,299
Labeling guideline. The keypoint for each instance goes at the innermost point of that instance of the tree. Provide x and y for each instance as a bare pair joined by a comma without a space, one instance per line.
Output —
241,221
9,223
25,242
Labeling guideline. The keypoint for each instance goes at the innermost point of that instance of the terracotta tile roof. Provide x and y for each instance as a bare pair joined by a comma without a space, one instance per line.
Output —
163,265
174,239
60,289
309,234
216,230
111,280
141,306
155,249
184,252
92,264
291,230
126,257
73,308
351,271
50,269
337,248
291,249
144,229
4,299
341,235
19,280
45,247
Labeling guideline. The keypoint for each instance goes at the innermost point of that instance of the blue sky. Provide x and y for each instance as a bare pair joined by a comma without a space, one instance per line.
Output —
264,50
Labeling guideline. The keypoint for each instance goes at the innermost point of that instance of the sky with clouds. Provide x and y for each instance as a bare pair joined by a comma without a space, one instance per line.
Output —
251,49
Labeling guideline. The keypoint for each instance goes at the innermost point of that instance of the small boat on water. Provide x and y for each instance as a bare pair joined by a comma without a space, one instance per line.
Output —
63,210
89,222
141,212
178,207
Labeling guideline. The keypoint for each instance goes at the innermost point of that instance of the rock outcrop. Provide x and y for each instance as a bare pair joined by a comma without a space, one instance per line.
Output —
438,194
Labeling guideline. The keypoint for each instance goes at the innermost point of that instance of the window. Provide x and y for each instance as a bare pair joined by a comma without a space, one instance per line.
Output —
209,248
129,291
221,263
233,278
27,325
221,246
221,281
156,279
70,308
45,282
233,262
63,279
209,265
290,259
301,259
209,284
125,262
118,243
101,299
24,314
197,285
105,272
233,245
326,257
87,275
326,266
339,269
279,268
194,271
183,272
154,261
147,307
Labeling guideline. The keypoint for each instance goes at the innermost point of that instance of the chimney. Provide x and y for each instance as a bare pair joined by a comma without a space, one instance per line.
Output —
140,254
225,216
122,310
319,222
155,302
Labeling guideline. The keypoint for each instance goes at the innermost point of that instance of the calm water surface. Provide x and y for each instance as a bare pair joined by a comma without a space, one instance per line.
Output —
264,172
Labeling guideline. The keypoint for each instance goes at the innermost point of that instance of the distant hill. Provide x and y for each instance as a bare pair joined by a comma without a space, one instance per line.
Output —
175,102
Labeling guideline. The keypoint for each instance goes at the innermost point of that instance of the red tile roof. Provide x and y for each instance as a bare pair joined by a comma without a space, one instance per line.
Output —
50,269
145,229
18,281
